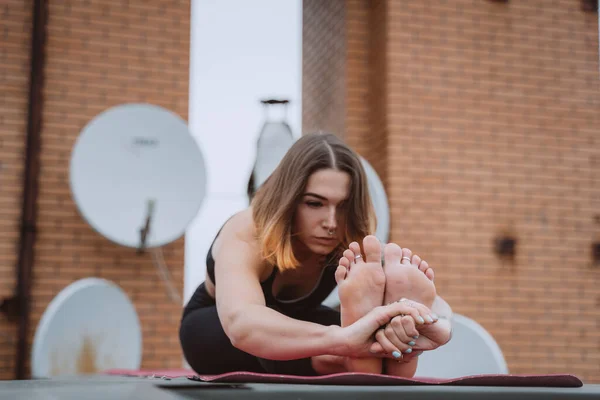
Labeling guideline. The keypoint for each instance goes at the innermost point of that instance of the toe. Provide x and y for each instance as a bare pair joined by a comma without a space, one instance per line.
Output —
344,262
340,274
392,254
429,273
349,254
406,256
355,249
427,270
416,261
372,248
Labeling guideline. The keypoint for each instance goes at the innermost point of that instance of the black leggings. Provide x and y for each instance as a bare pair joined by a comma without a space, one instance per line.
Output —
208,350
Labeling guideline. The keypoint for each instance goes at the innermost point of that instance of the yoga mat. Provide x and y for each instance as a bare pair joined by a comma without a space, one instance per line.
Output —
353,378
157,373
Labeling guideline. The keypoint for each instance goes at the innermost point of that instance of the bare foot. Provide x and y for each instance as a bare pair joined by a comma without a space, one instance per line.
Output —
412,280
361,285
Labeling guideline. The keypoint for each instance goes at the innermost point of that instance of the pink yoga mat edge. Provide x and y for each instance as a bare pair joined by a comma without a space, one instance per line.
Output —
351,378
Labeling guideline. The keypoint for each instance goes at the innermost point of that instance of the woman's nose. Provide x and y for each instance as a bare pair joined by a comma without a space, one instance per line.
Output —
331,218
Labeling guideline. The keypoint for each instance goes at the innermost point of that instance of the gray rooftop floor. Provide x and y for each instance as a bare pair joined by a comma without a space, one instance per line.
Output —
130,388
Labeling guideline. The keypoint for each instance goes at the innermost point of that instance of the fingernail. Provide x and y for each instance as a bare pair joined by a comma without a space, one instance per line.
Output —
429,318
416,337
408,351
396,354
435,316
411,343
420,319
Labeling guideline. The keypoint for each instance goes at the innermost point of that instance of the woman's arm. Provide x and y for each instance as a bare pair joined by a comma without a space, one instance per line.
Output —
256,329
248,322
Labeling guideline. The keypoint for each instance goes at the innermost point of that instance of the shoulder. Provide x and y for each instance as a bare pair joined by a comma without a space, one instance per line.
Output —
238,230
240,226
238,246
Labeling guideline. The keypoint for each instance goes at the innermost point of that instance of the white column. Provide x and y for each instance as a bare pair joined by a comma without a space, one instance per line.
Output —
241,51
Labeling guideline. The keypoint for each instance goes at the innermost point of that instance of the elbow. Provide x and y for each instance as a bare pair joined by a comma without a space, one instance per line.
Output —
244,336
234,327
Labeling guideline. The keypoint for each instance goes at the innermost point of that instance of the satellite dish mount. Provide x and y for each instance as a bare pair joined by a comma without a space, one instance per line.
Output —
145,230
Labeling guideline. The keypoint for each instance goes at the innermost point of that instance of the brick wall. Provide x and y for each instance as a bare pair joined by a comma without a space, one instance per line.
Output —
323,97
366,99
342,84
495,113
491,124
15,20
356,104
99,55
376,147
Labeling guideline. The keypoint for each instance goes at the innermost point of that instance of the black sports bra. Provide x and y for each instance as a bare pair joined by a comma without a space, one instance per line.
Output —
321,290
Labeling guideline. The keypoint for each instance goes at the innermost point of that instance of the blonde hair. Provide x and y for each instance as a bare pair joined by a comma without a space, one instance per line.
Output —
274,204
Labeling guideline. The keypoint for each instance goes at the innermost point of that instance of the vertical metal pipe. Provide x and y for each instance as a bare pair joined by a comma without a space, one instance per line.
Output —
30,187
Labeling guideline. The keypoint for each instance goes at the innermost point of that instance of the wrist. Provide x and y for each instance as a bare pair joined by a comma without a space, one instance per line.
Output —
336,341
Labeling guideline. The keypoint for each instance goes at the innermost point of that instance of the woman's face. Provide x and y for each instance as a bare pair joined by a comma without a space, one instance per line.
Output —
320,215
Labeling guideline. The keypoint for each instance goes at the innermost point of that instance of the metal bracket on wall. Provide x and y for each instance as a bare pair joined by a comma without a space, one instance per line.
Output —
596,254
10,306
589,5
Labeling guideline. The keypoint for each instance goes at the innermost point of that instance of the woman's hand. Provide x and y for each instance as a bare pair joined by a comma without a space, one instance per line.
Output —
409,334
402,332
357,338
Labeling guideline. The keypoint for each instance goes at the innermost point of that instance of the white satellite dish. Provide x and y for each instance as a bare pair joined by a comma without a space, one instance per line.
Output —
380,202
471,351
89,327
137,175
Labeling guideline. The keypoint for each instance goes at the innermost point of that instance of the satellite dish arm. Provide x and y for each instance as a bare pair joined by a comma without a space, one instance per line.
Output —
146,228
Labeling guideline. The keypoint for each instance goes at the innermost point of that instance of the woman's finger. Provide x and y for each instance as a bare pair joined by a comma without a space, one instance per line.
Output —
424,343
401,333
394,332
388,348
413,311
423,314
396,326
382,315
410,329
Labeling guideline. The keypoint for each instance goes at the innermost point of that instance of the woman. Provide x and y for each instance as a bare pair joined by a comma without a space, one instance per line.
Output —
271,266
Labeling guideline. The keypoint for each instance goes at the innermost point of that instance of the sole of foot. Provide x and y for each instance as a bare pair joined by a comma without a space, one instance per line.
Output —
407,276
361,286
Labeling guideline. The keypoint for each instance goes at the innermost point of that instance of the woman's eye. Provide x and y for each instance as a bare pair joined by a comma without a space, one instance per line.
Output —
314,204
